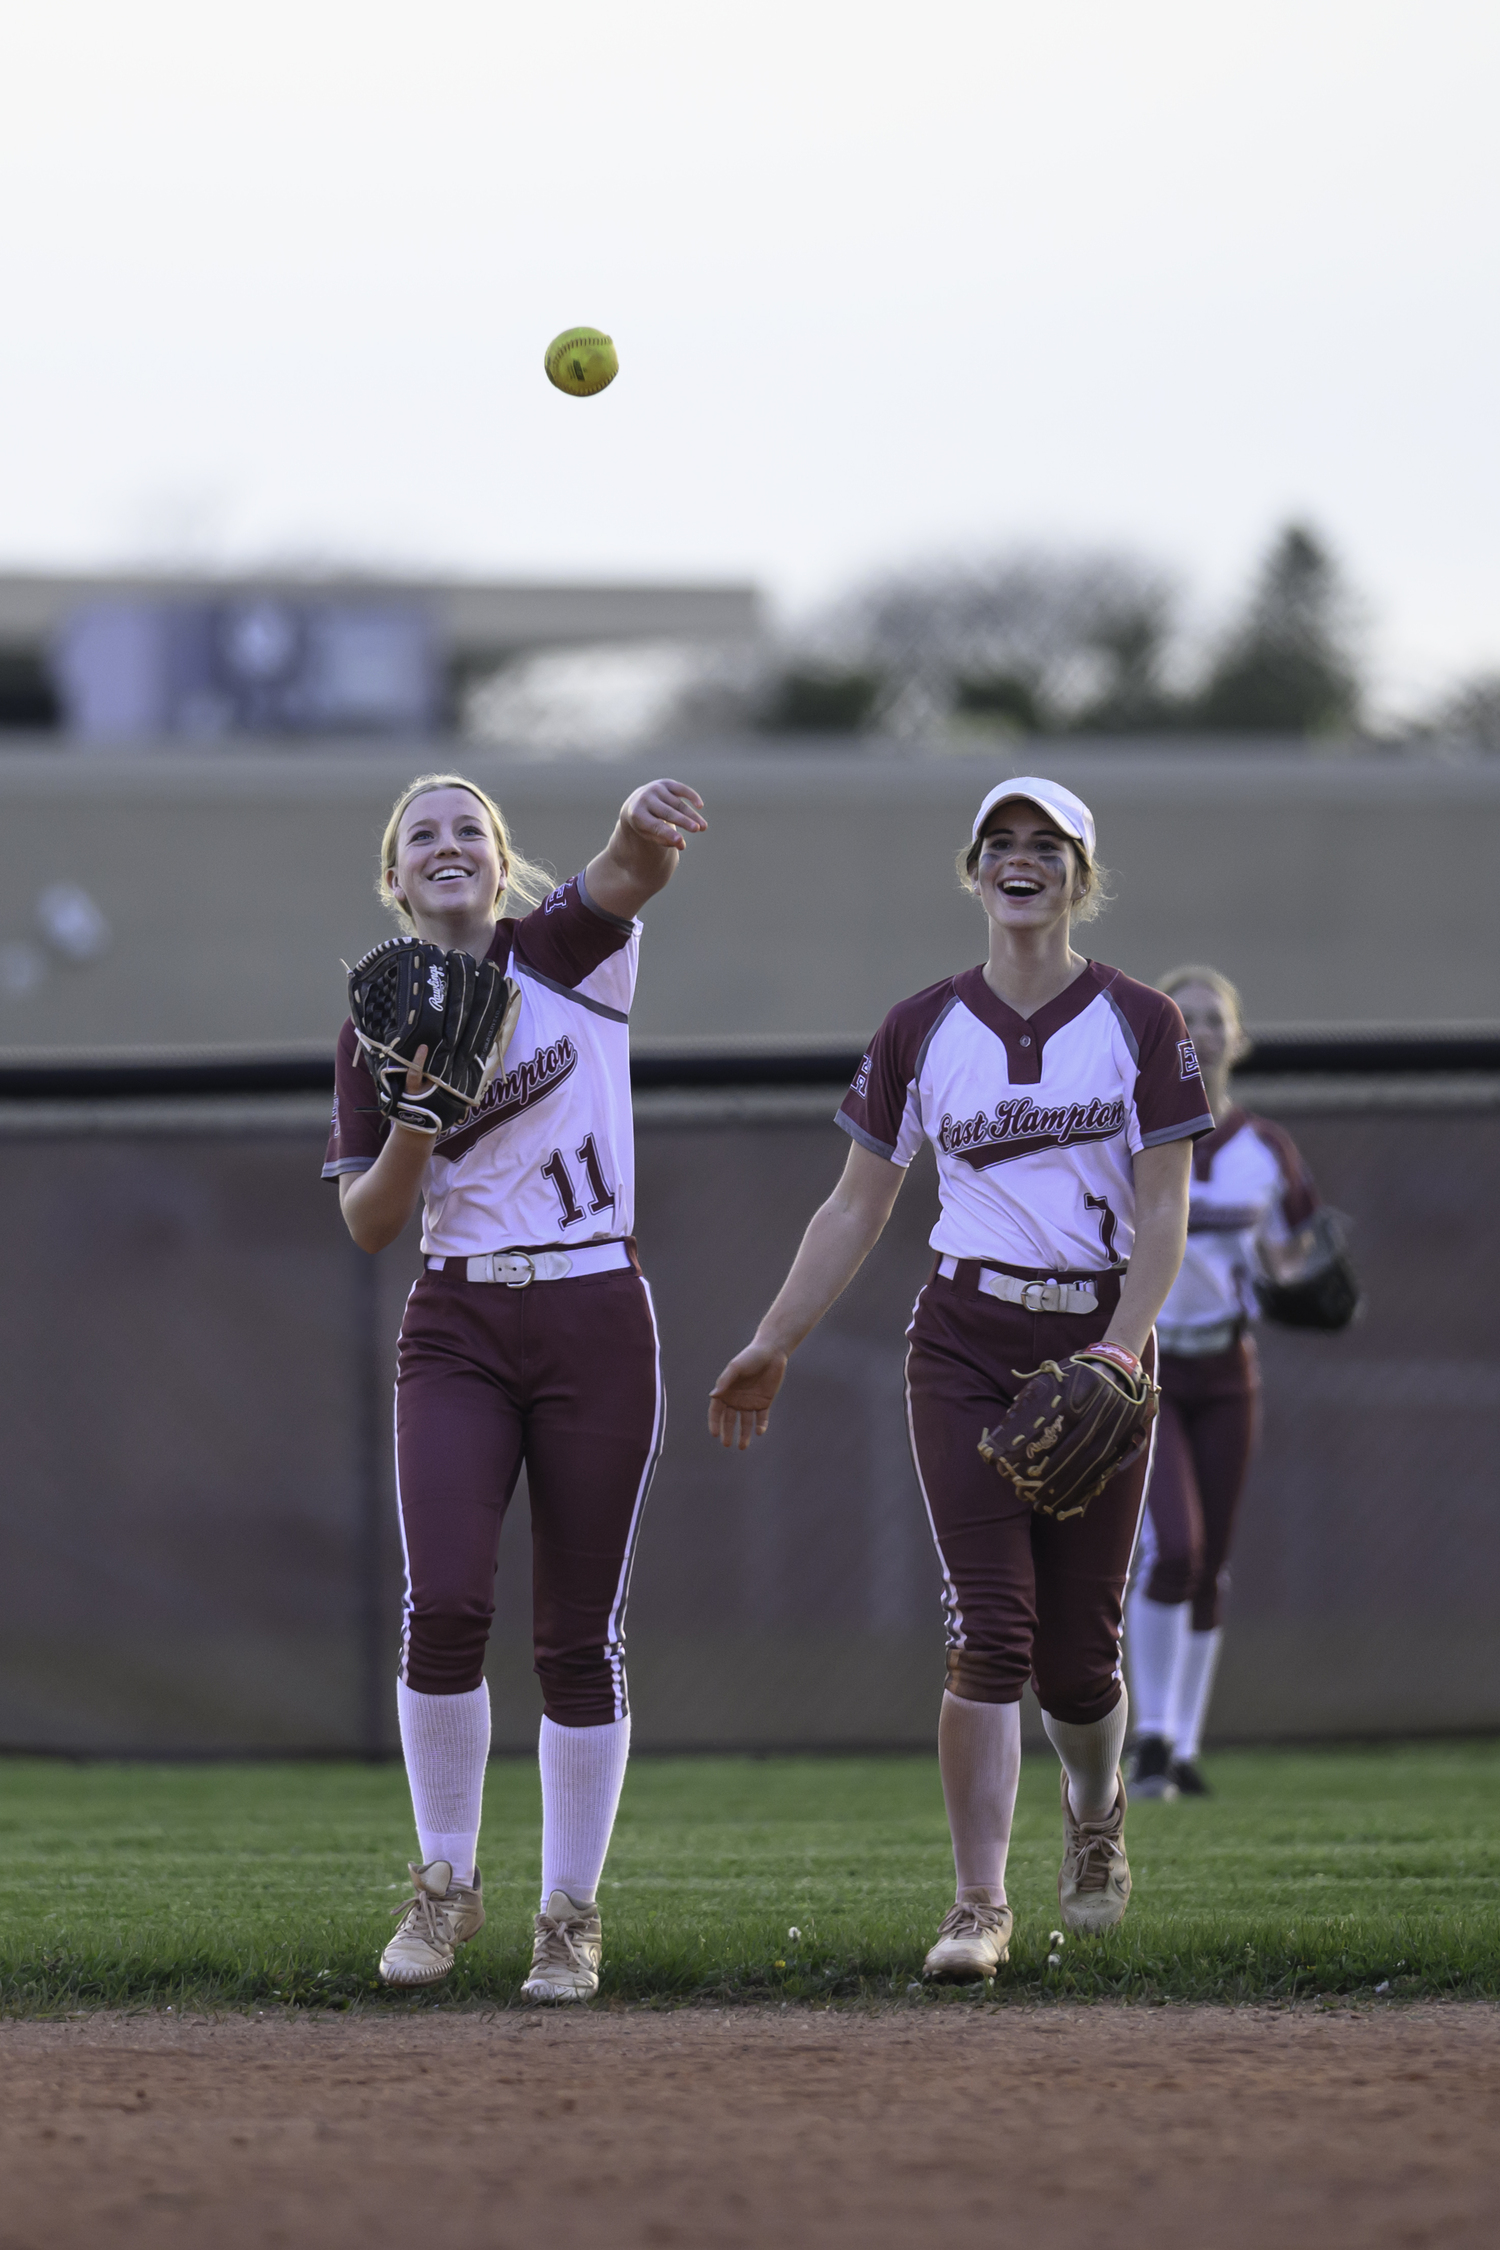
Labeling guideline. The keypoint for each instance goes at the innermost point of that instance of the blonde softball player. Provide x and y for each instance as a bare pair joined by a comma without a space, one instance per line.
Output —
528,1338
1060,1099
1252,1200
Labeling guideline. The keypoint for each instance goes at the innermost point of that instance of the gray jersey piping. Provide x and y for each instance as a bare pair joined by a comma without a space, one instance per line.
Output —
565,992
616,921
1125,1031
937,1024
1196,1125
887,1149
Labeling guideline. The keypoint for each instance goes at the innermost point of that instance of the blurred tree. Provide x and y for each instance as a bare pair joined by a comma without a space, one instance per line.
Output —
817,699
1131,636
1471,713
1288,666
1032,641
1001,696
1037,642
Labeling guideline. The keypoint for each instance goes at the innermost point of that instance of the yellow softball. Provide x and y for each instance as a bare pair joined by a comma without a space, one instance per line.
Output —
581,361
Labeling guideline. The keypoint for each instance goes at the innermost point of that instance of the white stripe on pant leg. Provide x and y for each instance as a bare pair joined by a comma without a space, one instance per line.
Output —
614,1637
406,1593
1143,1544
406,1589
1143,1560
955,1635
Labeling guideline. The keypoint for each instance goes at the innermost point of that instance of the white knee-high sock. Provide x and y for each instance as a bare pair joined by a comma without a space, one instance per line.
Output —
1194,1685
1154,1635
1091,1758
446,1742
583,1772
979,1757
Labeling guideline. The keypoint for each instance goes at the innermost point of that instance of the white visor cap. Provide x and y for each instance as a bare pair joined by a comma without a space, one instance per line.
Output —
1071,814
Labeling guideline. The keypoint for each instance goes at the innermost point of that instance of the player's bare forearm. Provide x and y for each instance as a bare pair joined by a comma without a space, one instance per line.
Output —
378,1204
840,1236
835,1246
639,859
1161,1209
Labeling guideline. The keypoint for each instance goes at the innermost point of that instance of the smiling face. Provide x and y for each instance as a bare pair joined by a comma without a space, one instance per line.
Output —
1027,874
447,859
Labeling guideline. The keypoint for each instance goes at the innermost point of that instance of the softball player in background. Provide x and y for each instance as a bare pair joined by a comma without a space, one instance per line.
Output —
1250,1199
528,1338
1061,1099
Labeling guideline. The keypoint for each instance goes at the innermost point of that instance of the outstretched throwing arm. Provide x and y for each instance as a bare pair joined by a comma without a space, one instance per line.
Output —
654,825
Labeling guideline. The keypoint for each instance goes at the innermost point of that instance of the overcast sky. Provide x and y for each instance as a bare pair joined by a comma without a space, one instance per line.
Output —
886,281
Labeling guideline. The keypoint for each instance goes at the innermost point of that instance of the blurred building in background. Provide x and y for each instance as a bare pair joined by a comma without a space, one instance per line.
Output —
265,664
150,658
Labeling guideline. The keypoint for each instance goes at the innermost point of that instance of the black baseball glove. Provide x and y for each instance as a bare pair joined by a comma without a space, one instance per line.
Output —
1071,1428
1326,1293
404,995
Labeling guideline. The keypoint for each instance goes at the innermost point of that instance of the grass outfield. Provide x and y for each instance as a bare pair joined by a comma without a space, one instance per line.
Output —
1333,1872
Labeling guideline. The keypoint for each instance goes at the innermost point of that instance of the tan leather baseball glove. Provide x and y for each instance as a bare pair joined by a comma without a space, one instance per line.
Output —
1072,1428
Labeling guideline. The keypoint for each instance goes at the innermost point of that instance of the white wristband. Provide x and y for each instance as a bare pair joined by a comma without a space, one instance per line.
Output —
408,1122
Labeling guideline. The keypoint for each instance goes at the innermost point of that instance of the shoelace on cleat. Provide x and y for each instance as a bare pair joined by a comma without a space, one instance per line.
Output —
1094,1856
420,1914
969,1919
556,1946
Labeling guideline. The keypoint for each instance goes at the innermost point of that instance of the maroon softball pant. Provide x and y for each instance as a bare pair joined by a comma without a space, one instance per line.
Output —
1026,1598
1205,1435
564,1376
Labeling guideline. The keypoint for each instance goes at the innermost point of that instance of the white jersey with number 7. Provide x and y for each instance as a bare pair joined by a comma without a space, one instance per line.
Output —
1034,1120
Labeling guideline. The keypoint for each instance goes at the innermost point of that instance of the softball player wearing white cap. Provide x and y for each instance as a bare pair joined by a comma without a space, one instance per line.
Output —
1061,1099
529,1337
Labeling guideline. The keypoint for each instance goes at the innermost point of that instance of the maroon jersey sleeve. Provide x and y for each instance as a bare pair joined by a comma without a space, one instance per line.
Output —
568,937
1170,1104
357,1134
1299,1194
879,1111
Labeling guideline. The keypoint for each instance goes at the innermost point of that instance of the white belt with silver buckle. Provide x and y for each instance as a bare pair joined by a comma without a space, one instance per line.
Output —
1036,1296
517,1269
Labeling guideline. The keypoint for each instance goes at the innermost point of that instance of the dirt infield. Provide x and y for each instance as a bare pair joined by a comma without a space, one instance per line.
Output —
1061,2128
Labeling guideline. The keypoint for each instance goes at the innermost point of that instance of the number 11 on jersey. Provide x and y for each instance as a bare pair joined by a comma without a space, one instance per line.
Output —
601,1196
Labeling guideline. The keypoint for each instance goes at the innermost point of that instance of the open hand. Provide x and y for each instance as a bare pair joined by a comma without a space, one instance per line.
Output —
739,1405
665,812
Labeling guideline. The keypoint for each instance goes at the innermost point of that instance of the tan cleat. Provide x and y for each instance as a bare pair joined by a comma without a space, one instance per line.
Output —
1093,1883
439,1916
973,1941
565,1955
